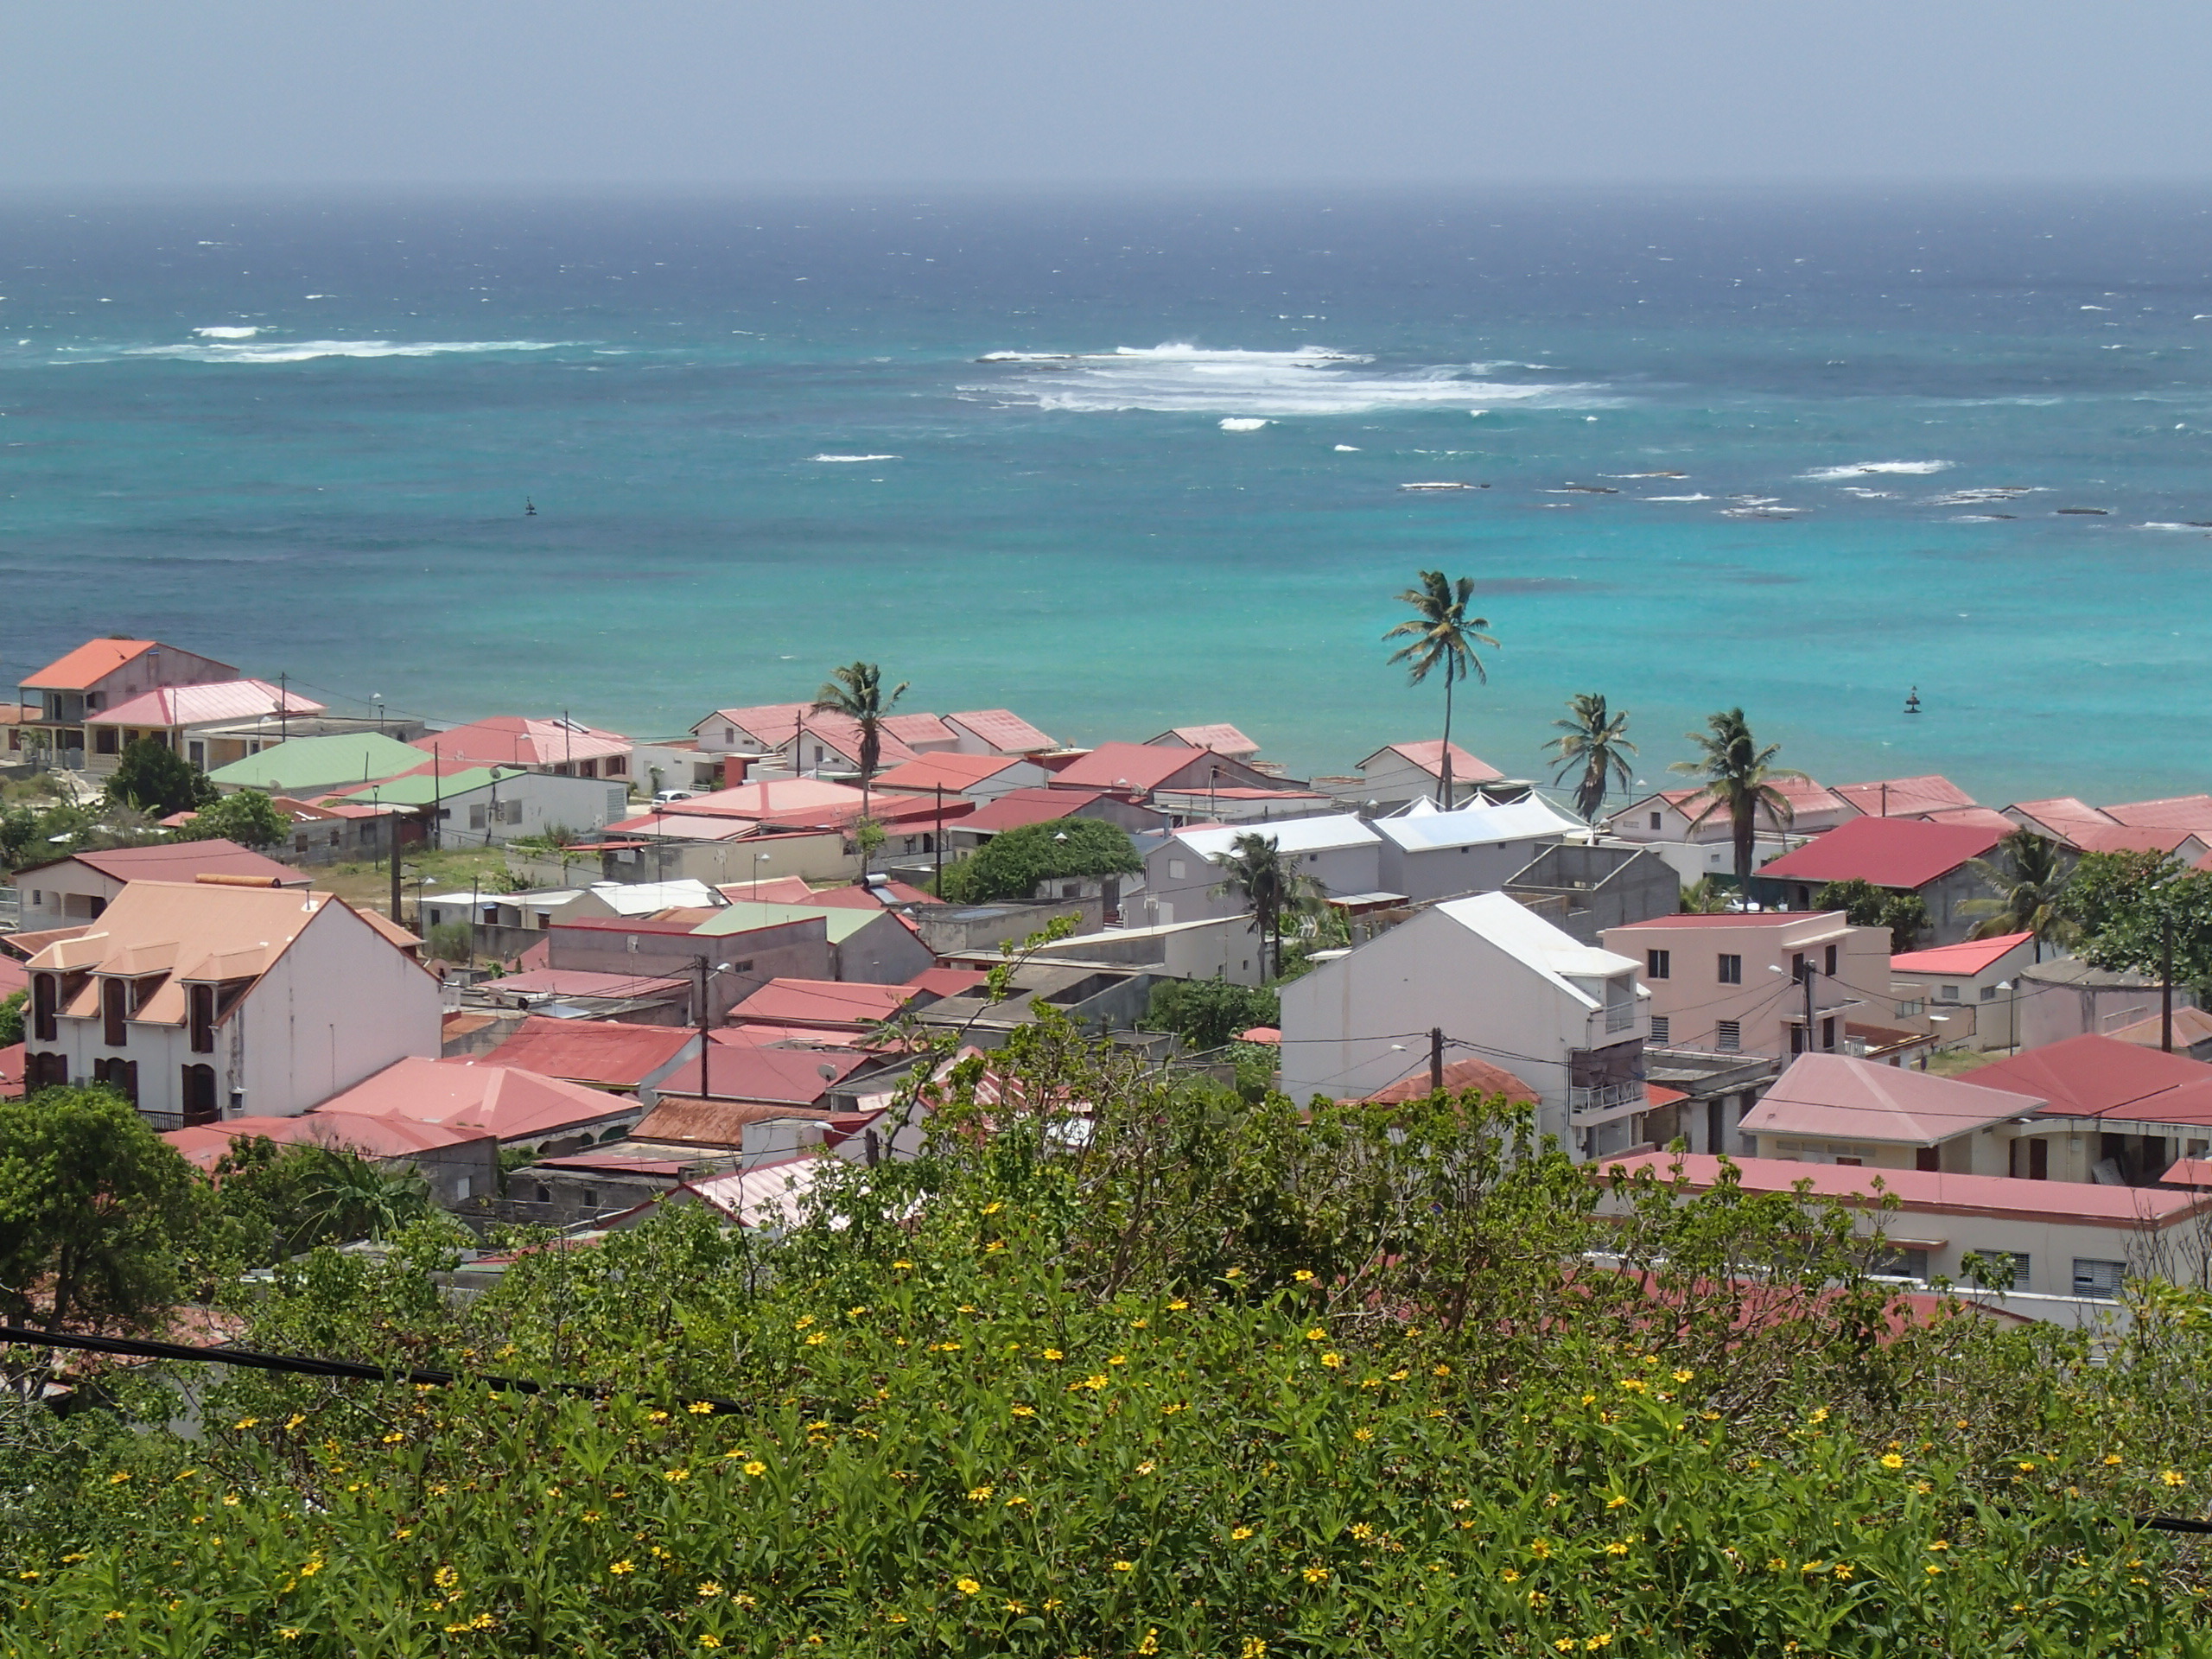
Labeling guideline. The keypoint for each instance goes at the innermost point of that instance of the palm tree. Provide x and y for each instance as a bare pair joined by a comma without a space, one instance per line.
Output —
1596,741
856,692
1739,775
2031,881
1253,868
1443,635
344,1196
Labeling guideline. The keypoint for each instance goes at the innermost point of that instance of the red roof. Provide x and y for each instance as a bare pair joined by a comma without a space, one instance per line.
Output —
518,740
1899,797
950,771
205,1145
2128,837
774,890
1659,1095
1018,807
915,730
14,977
2060,813
858,897
1931,1192
11,1072
186,861
947,982
590,1050
1731,918
2095,1076
1131,767
1902,853
793,1077
2176,813
1458,1076
1003,729
1428,755
831,1003
1966,959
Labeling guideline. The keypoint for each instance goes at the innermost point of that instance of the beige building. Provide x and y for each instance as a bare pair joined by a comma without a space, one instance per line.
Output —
1735,982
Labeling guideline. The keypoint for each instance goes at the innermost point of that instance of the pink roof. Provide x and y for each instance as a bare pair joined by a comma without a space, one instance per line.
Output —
518,741
1835,1098
1899,797
678,824
2130,837
1428,755
2192,812
1732,918
578,982
186,861
2094,1076
1903,852
769,723
589,1050
11,1072
777,797
790,1076
775,890
857,897
1134,767
205,1145
1003,729
1458,1076
2189,1171
821,1002
947,982
950,771
1018,807
195,705
2191,1026
1931,1193
1966,959
767,1195
1222,739
915,730
2060,812
14,977
487,1093
842,733
1977,817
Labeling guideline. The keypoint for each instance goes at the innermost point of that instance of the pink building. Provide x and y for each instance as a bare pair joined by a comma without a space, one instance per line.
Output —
1735,983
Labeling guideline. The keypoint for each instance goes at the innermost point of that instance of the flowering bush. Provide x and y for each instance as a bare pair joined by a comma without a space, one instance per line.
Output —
1207,1379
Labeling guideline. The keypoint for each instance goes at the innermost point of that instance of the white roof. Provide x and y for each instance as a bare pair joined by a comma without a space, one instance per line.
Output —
1535,944
644,898
1289,834
1477,826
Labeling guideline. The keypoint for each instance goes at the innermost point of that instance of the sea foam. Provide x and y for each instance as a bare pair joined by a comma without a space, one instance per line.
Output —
1180,378
840,458
302,351
1830,474
226,334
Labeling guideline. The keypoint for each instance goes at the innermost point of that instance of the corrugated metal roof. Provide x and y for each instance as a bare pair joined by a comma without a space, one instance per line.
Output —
2192,812
1428,755
1333,831
742,1072
182,860
610,1055
521,740
1003,729
1966,958
2093,1075
197,705
307,762
1900,853
1478,826
1835,1098
950,771
1899,798
1018,807
822,1002
1458,1076
487,1093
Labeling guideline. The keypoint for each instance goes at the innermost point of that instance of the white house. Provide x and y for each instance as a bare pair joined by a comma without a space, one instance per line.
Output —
1431,855
488,807
79,888
1501,983
201,1001
1181,874
1974,985
1697,838
1413,772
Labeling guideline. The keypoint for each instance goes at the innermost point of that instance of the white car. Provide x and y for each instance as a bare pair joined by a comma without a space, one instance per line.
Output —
670,797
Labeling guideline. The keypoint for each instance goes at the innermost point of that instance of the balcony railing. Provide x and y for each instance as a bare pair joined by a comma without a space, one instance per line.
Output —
1604,1097
1620,1017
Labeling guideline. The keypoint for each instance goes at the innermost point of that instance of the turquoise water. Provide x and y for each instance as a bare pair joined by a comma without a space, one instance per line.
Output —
1070,529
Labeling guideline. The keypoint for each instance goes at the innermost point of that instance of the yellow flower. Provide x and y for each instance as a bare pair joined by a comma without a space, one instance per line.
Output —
1890,1460
701,1407
1024,1411
994,1207
245,1422
1304,1276
1333,1361
1118,1359
2028,1469
289,1633
1151,1642
1603,1639
312,1565
1253,1648
1813,1566
708,1639
1316,1334
1684,1376
445,1577
967,1586
1015,1607
1054,1353
1616,1549
656,1416
756,1468
1511,1576
1147,1467
1541,1549
710,1590
1440,1370
1633,1384
1934,1571
818,1338
1565,1645
1617,1501
674,1476
1234,1272
1363,1531
1016,1501
1240,1534
1819,1414
1363,1434
2113,1461
1843,1571
623,1569
979,1495
2174,1477
902,1264
1941,1543
1176,1307
1125,1567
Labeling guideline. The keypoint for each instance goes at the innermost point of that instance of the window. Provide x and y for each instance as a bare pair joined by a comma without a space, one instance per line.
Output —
104,741
1989,993
587,768
1659,1029
616,766
1728,1036
44,994
591,1193
1911,1008
1655,820
114,1009
2020,1275
197,754
545,1195
476,816
1797,967
1731,970
1903,1264
199,1092
511,812
203,999
1946,993
122,1076
2098,1279
1829,962
1827,1035
1174,869
460,1187
729,737
1658,964
1927,1157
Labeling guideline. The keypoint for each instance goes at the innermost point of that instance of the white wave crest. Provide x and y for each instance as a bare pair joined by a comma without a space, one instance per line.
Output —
1830,474
304,351
226,334
1247,384
1241,424
1678,498
1347,448
840,458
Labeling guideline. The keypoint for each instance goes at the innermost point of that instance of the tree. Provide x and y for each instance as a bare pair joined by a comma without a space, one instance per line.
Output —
249,818
1253,868
155,778
1905,915
1597,743
1740,778
2129,907
98,1213
2030,879
1210,1013
1859,900
11,1018
1011,864
1443,636
856,692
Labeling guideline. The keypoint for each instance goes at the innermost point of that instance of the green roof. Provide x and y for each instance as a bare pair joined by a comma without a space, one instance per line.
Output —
421,789
320,762
745,916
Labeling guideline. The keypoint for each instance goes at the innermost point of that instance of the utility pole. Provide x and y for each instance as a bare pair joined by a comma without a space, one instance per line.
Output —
437,796
283,708
1809,971
940,839
705,1041
1435,1059
2167,989
391,826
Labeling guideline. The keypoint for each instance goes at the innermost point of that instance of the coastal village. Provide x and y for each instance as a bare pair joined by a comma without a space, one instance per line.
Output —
571,977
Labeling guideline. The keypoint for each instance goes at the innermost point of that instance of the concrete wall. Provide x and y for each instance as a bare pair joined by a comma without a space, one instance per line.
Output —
1180,885
547,802
1225,948
1449,872
1599,888
2051,1013
338,1007
821,858
793,950
1694,1002
885,952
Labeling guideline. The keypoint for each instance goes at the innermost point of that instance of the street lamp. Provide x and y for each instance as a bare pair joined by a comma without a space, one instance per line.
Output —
706,1041
2012,1014
759,859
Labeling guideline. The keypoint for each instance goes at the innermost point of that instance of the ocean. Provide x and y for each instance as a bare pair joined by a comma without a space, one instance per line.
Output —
1124,463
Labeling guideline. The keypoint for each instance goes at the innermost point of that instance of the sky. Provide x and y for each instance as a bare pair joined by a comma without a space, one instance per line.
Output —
137,94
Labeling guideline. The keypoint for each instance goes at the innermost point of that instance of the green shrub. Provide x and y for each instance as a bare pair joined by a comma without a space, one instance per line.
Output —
1208,1013
1011,864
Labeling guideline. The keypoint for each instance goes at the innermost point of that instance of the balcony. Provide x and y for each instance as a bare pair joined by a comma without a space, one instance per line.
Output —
1604,1102
1620,1016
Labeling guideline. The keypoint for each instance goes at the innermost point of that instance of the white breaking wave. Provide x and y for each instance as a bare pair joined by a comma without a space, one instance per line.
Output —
1830,474
226,334
853,458
302,351
1347,448
1241,385
1241,424
1678,498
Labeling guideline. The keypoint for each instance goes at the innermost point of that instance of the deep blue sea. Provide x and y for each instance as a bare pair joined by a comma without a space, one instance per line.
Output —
1124,463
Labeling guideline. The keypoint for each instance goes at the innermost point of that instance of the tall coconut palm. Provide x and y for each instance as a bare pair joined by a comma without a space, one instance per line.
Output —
1598,742
856,692
1443,636
2030,875
1739,779
1253,868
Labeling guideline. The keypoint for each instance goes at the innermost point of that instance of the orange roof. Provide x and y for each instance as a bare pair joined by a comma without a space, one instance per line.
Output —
88,664
1458,1076
1428,755
786,1001
485,1094
1965,958
204,1145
